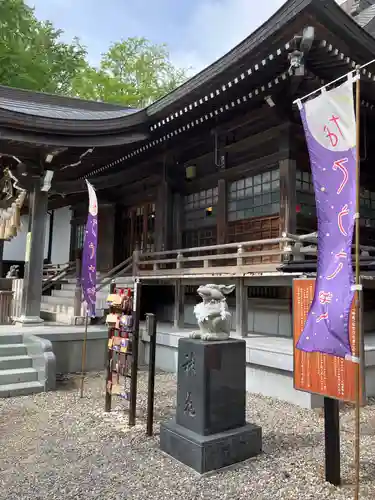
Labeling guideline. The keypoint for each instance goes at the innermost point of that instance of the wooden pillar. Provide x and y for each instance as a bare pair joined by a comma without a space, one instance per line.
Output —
34,258
1,258
222,212
287,166
177,220
163,217
179,305
288,215
50,235
242,305
106,236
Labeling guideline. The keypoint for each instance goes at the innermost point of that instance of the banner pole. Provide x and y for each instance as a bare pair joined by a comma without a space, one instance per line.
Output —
357,299
83,362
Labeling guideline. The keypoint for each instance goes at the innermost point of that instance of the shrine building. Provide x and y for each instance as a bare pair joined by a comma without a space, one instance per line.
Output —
210,184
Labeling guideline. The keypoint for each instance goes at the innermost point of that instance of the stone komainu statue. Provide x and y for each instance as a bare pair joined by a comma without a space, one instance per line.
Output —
212,313
13,272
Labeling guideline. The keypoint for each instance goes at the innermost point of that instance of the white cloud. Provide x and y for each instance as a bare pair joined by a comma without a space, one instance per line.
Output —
216,26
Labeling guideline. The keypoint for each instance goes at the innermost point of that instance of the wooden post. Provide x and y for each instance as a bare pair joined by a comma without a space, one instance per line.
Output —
135,262
332,440
135,346
163,217
221,218
1,257
288,218
177,222
242,305
179,304
35,257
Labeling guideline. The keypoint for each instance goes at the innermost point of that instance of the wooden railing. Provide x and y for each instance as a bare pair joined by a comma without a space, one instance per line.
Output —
307,244
52,270
120,270
233,259
53,273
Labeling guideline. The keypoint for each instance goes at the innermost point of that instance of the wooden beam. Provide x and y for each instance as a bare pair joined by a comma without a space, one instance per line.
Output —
233,173
138,187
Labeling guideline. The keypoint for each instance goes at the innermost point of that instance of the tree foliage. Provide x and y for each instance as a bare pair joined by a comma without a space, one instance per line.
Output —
32,56
133,72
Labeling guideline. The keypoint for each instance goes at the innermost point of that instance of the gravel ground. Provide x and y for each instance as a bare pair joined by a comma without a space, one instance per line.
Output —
57,446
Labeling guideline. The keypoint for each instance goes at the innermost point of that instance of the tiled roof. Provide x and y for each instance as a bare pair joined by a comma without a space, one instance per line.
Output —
59,107
364,17
60,111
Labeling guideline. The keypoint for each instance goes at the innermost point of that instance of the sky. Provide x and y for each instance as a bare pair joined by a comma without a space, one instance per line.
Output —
197,32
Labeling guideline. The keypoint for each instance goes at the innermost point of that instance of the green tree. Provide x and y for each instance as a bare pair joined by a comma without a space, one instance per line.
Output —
32,56
133,72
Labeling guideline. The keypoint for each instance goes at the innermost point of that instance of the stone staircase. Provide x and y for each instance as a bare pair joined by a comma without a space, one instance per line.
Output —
59,306
17,375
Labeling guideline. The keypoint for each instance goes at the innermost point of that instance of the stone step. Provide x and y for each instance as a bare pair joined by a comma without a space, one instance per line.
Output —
10,338
12,350
18,375
70,294
72,286
61,317
61,301
47,306
20,389
65,318
14,362
57,307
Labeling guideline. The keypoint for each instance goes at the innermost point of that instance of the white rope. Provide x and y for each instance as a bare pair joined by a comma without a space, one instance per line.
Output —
348,75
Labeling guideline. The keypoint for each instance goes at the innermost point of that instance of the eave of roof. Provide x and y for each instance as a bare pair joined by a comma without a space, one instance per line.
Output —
364,17
41,113
333,14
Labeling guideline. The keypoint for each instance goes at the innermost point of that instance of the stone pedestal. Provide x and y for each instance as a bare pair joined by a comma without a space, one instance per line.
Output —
210,429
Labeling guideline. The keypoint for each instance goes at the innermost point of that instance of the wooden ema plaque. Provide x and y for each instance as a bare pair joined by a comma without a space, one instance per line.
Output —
314,372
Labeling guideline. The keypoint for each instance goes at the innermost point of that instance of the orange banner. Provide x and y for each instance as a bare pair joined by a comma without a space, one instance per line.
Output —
315,372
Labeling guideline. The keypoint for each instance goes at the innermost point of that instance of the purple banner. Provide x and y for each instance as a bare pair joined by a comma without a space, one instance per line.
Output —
330,131
88,278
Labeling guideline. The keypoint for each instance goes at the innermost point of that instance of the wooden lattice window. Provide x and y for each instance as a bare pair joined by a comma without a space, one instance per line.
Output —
306,200
367,208
200,237
254,229
80,235
196,205
305,194
254,196
257,229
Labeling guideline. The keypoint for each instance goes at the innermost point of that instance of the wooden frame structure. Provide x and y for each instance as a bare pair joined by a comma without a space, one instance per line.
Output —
222,159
